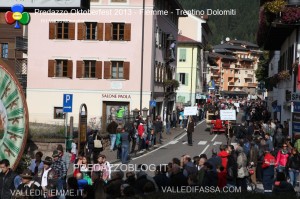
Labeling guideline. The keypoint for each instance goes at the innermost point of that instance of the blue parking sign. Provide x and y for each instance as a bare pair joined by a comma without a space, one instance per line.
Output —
68,103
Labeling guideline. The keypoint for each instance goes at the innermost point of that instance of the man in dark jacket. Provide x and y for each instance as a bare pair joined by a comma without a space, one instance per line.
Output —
161,178
210,177
177,178
112,130
232,167
158,128
282,187
7,177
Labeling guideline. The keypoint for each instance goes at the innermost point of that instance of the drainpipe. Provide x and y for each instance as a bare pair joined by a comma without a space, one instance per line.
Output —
192,76
142,58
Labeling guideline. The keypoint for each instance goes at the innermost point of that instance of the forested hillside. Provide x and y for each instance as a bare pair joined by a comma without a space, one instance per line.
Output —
242,26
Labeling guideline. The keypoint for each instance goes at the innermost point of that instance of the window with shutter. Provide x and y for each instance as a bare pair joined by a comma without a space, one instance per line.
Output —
52,30
186,79
126,66
81,31
62,30
118,30
127,32
182,55
71,31
91,30
182,78
61,68
89,68
79,71
107,70
117,70
108,30
99,69
70,69
51,68
100,32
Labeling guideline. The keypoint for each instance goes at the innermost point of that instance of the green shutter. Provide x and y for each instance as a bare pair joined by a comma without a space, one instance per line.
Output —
186,79
182,55
177,76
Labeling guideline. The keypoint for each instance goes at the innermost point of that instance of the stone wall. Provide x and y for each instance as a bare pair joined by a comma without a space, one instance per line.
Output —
48,147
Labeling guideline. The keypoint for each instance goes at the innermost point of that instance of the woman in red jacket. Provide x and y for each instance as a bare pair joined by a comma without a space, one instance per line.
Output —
282,159
141,131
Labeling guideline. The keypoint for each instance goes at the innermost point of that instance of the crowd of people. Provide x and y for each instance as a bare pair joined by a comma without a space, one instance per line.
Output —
264,154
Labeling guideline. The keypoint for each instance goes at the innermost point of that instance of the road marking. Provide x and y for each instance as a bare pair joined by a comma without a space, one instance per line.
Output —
184,134
204,150
202,143
217,143
214,137
184,142
173,142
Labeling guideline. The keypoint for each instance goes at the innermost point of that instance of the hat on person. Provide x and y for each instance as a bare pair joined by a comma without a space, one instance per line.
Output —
27,174
55,154
60,147
48,160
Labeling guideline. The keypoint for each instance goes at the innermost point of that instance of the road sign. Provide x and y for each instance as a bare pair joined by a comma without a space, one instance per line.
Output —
68,102
296,117
153,103
228,115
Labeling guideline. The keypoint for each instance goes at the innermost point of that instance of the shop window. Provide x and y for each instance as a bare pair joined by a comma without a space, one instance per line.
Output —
58,113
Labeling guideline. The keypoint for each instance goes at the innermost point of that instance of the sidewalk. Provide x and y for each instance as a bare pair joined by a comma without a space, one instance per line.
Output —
174,133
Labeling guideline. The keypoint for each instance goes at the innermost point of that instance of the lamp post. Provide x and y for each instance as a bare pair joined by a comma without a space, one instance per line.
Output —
145,112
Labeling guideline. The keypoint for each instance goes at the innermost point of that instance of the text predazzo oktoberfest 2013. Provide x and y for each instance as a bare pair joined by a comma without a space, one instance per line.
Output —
130,11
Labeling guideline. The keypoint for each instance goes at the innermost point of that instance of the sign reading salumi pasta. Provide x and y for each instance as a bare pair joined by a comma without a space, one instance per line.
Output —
13,118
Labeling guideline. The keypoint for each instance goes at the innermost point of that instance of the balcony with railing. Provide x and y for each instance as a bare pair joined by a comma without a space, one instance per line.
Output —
22,44
252,85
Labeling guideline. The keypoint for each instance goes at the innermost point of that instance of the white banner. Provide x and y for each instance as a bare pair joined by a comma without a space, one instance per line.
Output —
228,115
191,110
42,3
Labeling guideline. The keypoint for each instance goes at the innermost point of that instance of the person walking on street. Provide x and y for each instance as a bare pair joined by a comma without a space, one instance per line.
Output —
268,171
190,130
112,130
293,166
7,177
282,159
125,140
158,127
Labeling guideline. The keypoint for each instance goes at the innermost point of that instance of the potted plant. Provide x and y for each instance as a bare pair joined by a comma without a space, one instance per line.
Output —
171,83
284,75
291,15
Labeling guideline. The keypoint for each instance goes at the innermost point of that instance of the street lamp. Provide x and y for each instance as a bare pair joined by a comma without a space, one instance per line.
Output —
135,112
145,112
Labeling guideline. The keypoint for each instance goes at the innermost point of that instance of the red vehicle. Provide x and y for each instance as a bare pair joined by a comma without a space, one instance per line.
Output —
218,126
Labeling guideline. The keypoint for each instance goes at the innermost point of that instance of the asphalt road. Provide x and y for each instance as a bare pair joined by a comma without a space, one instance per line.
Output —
203,142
